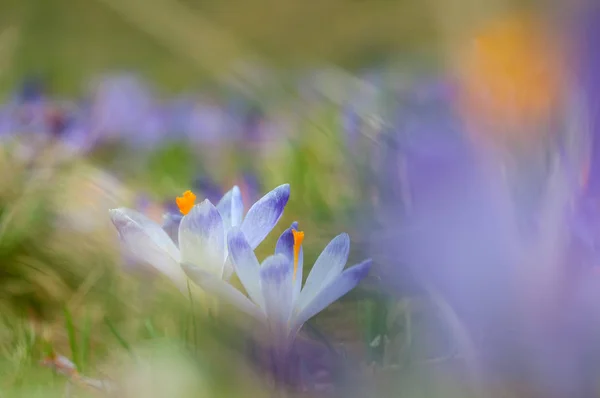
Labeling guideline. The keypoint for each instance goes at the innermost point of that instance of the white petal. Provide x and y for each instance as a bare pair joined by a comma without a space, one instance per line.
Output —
245,264
341,285
327,267
276,284
223,290
201,238
149,243
231,208
264,215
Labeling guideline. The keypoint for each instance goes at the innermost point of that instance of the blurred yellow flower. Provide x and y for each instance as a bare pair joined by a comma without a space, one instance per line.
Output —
510,77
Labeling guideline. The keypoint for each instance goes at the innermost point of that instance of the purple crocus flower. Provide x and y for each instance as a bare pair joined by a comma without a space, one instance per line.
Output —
428,168
516,286
276,296
445,223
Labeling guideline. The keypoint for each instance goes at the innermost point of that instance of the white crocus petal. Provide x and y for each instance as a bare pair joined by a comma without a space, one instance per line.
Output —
201,239
223,290
148,243
228,269
264,215
328,266
231,208
246,265
276,284
341,285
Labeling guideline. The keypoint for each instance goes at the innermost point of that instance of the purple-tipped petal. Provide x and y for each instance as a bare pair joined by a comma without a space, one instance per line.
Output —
246,265
328,266
285,246
222,290
276,283
231,208
201,238
285,243
264,215
341,285
147,242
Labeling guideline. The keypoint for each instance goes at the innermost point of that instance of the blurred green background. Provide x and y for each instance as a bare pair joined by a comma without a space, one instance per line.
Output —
183,43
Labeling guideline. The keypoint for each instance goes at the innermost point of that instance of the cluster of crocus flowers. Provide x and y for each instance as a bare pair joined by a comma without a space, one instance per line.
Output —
205,240
199,235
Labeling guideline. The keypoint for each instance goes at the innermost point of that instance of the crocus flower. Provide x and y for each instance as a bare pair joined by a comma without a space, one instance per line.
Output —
201,234
275,292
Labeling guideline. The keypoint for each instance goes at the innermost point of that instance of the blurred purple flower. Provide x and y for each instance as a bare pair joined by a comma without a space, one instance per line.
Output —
154,128
508,252
209,188
588,31
68,123
444,224
208,123
121,104
179,113
6,122
252,128
29,108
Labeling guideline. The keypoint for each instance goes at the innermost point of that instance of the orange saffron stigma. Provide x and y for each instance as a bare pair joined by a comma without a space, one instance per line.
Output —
186,202
298,238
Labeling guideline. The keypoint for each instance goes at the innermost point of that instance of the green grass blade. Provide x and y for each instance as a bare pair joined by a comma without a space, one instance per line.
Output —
85,342
150,329
72,335
117,335
193,317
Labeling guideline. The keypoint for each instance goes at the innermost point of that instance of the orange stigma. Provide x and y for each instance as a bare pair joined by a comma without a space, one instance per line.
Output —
186,202
298,238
